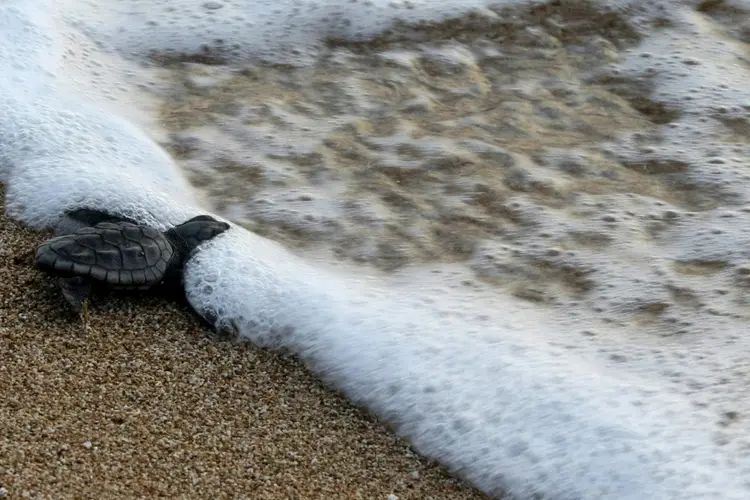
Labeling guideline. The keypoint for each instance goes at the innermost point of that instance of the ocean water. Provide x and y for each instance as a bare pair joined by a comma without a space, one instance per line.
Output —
516,231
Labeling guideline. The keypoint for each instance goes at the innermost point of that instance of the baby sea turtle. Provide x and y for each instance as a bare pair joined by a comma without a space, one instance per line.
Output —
101,250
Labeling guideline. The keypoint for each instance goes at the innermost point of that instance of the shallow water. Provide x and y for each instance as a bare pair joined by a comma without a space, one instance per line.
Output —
517,234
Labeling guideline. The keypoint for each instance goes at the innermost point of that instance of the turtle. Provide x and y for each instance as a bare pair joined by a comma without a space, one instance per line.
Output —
93,249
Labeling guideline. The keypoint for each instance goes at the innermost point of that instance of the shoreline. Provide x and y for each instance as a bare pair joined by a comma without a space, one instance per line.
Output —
145,402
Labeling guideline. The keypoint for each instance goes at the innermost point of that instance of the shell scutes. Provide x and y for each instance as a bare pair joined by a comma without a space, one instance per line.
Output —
116,253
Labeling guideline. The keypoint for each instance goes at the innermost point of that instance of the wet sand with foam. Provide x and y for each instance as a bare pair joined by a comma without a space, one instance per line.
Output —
557,193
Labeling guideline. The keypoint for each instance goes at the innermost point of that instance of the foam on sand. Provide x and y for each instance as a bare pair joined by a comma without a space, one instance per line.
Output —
472,380
488,398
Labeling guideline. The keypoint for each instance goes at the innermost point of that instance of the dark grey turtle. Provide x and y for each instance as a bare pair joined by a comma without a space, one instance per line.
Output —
115,252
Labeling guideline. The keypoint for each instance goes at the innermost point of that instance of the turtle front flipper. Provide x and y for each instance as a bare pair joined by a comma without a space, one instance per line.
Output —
74,220
76,291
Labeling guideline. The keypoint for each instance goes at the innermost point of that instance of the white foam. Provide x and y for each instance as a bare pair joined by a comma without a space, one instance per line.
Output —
288,30
476,382
491,399
58,151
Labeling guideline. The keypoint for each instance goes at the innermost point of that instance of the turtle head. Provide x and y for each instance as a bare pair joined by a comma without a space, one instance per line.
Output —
187,236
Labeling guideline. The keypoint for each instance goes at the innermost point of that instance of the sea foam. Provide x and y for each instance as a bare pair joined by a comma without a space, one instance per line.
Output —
471,381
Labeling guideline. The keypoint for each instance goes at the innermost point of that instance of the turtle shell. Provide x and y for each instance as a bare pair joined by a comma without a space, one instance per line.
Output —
118,254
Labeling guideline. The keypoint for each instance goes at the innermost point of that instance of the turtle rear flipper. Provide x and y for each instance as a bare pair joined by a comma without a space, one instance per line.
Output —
76,291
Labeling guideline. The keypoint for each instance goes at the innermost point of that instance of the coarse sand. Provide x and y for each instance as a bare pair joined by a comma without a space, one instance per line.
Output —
144,402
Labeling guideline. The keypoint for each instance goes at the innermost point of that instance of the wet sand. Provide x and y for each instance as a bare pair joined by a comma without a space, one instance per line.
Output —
144,402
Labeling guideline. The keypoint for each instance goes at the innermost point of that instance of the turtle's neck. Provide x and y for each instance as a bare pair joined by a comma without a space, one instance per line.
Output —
181,246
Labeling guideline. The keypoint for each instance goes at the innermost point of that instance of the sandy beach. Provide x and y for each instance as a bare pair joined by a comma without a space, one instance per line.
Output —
145,403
